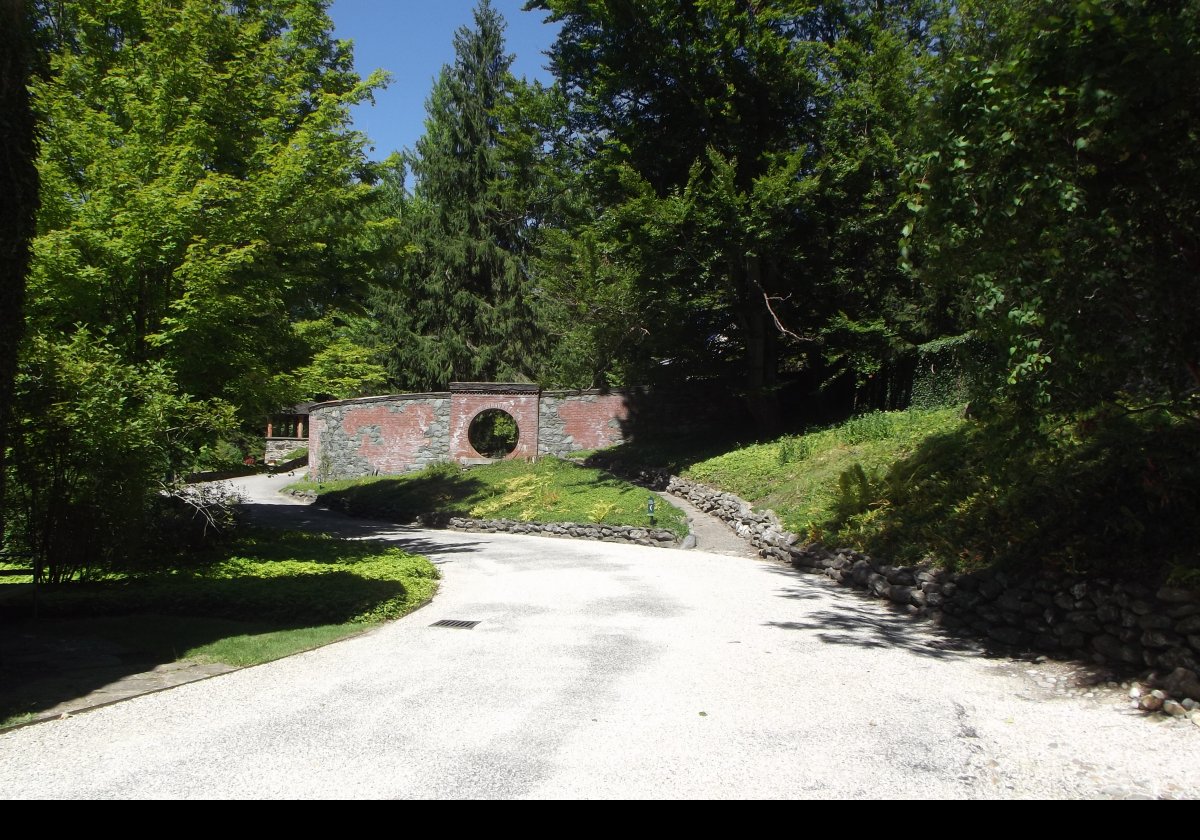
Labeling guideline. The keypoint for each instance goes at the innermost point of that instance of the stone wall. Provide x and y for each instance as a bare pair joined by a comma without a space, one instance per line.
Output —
279,447
1108,622
396,434
571,421
378,435
605,533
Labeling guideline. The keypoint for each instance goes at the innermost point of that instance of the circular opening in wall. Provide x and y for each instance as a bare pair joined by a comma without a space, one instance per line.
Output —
493,433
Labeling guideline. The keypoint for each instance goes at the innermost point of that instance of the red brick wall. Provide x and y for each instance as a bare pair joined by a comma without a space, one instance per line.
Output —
464,408
591,424
401,432
395,434
316,427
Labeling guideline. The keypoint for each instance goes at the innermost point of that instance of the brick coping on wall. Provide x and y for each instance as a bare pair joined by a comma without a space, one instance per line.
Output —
499,388
430,395
482,388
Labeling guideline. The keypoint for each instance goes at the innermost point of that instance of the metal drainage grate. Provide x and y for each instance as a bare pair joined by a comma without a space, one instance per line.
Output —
456,623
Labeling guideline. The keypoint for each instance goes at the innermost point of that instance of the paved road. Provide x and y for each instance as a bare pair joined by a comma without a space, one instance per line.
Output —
602,670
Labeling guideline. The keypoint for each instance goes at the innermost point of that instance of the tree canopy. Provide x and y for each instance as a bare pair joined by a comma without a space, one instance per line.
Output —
774,195
1060,193
198,172
741,167
201,195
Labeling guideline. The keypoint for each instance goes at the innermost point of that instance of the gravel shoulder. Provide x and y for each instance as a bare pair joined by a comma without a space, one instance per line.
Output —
602,671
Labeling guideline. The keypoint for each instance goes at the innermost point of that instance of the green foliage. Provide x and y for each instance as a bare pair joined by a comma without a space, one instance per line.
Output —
95,440
200,184
794,449
813,481
226,453
342,370
18,210
493,433
200,191
1108,494
547,491
737,196
857,492
288,579
948,371
1059,198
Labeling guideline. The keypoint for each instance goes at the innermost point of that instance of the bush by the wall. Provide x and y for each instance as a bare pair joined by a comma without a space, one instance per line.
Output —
948,370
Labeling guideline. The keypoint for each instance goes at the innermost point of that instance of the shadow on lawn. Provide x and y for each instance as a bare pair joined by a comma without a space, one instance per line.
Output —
409,501
90,636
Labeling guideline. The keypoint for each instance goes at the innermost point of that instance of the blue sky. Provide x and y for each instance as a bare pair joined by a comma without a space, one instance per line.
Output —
412,39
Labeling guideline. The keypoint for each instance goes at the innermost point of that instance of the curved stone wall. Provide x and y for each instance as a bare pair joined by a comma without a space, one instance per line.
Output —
400,433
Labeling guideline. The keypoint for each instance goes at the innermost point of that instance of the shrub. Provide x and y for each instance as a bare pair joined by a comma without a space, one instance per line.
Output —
948,371
96,440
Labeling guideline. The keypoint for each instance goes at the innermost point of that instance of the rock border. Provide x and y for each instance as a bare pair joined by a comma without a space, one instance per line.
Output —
653,537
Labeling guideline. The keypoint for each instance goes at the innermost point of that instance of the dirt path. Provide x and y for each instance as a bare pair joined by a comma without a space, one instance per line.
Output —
711,534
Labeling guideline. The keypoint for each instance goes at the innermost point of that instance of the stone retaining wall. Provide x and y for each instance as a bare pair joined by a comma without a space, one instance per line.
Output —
401,433
1109,622
278,447
605,533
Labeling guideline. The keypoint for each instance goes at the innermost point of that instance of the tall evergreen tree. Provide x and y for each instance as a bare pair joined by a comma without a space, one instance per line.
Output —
461,308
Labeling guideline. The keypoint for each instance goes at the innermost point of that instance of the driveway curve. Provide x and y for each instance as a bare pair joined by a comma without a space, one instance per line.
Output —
612,671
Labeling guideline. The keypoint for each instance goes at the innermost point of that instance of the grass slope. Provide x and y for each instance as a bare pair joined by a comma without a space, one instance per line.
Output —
1115,494
549,490
799,476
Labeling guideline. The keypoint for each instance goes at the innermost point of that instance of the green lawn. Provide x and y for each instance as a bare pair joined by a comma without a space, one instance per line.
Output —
267,595
550,490
800,476
285,578
1114,494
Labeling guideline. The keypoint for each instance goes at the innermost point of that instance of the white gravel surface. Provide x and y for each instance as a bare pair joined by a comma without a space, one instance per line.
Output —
602,671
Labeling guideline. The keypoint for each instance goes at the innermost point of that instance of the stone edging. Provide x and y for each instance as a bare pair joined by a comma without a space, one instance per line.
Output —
654,537
659,537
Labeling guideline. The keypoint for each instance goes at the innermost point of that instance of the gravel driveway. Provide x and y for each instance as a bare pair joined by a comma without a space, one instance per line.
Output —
600,670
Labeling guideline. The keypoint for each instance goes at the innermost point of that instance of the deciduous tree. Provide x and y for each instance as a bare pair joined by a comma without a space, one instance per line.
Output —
1063,195
18,210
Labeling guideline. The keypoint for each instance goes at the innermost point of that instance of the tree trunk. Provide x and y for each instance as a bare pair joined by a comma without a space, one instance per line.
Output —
18,209
761,397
